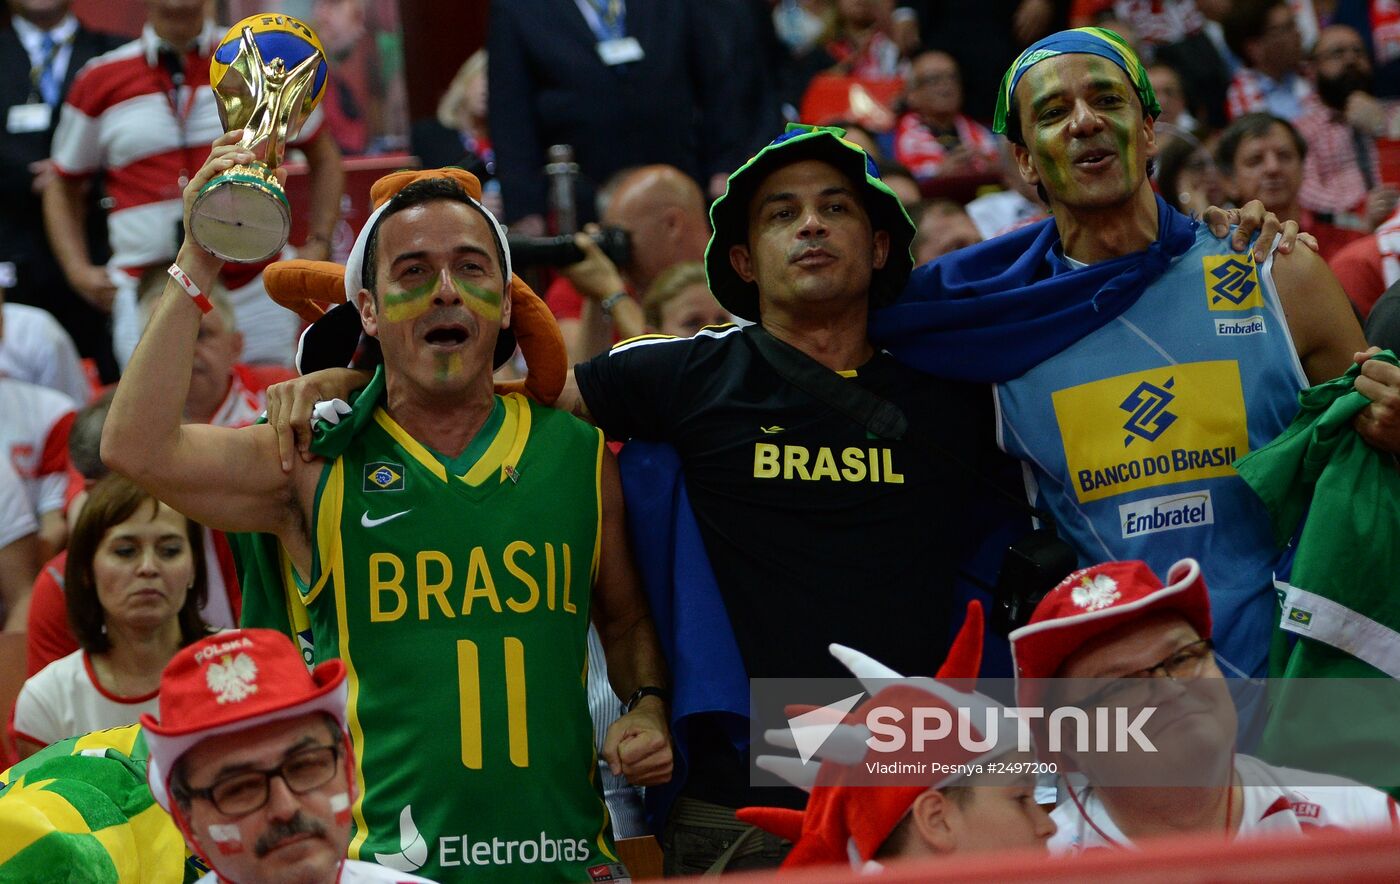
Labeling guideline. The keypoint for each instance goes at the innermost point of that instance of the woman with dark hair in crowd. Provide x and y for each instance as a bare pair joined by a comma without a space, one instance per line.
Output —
1187,176
134,584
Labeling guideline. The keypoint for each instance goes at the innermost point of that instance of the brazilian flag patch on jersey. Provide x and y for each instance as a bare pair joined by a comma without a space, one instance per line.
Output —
382,476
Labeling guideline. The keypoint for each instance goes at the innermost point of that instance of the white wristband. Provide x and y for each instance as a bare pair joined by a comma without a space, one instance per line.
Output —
184,281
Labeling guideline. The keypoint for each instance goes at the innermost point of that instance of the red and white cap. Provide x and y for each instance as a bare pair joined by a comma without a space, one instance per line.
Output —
851,812
233,681
1094,600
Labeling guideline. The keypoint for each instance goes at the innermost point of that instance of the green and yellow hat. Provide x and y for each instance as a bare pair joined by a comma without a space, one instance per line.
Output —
1088,41
729,214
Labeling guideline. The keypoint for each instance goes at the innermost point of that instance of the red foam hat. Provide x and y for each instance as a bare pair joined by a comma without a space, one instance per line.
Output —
848,815
1094,600
233,681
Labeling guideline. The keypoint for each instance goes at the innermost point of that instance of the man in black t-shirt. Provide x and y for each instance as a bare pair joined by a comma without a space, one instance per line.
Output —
817,530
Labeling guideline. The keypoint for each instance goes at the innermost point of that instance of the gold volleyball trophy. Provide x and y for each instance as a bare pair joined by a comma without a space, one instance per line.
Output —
268,74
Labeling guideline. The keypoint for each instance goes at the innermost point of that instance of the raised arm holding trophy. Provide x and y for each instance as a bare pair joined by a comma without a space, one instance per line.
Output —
268,73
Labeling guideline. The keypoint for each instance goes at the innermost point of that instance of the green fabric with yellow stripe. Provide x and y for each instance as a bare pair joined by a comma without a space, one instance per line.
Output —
80,811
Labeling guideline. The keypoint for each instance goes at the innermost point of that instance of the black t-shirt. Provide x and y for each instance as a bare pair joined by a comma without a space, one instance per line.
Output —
817,532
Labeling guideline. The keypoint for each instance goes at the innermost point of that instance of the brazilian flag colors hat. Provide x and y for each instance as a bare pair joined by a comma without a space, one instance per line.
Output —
729,216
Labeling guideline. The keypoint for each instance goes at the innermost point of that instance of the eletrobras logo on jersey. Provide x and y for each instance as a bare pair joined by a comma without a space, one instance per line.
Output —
1148,428
465,850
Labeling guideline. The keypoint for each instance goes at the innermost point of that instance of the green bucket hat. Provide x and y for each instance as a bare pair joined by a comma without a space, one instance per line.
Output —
729,216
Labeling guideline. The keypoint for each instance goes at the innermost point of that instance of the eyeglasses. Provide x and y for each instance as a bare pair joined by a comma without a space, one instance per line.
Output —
246,791
1136,688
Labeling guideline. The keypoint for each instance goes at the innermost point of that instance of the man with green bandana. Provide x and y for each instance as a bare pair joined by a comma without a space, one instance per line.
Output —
451,549
1135,355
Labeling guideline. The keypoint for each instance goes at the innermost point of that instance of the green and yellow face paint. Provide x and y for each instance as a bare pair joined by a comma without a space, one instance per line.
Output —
446,365
1048,143
481,301
409,304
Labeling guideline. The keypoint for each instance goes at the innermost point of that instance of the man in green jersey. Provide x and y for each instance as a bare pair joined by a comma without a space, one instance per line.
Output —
451,549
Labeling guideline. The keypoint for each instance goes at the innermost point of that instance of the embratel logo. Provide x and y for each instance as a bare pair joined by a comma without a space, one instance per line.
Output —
1245,325
1166,513
1147,406
1186,423
1232,283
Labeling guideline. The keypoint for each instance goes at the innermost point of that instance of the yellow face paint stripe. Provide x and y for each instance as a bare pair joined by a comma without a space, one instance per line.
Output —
409,444
409,304
483,302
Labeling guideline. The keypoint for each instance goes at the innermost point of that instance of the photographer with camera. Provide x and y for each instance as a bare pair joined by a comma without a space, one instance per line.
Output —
653,218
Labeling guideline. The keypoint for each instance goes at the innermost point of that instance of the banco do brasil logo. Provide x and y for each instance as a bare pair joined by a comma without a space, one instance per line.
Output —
1231,284
1147,407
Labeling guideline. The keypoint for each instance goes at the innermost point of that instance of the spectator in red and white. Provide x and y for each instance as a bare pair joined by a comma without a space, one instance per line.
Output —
970,795
142,116
1341,176
943,227
19,548
1114,637
34,347
50,634
863,45
1265,36
34,424
224,391
1369,266
1262,158
935,138
134,582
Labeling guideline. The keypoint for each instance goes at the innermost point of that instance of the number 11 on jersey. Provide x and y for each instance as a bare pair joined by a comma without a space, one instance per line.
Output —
469,702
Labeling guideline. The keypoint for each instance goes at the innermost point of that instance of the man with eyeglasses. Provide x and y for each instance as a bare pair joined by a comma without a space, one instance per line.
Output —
1116,640
252,759
935,138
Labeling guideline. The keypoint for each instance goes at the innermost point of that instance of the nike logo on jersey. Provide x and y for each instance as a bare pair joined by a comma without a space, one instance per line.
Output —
366,521
773,430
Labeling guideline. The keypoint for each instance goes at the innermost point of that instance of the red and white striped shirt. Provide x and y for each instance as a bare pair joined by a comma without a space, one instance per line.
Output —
34,425
922,153
1332,179
125,116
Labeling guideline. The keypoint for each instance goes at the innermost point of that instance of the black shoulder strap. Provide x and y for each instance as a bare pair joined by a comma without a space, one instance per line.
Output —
880,416
877,414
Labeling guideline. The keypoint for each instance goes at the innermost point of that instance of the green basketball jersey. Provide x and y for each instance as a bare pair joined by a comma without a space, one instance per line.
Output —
459,605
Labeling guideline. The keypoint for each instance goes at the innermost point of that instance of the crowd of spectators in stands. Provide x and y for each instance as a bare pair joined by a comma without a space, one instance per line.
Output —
1295,105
